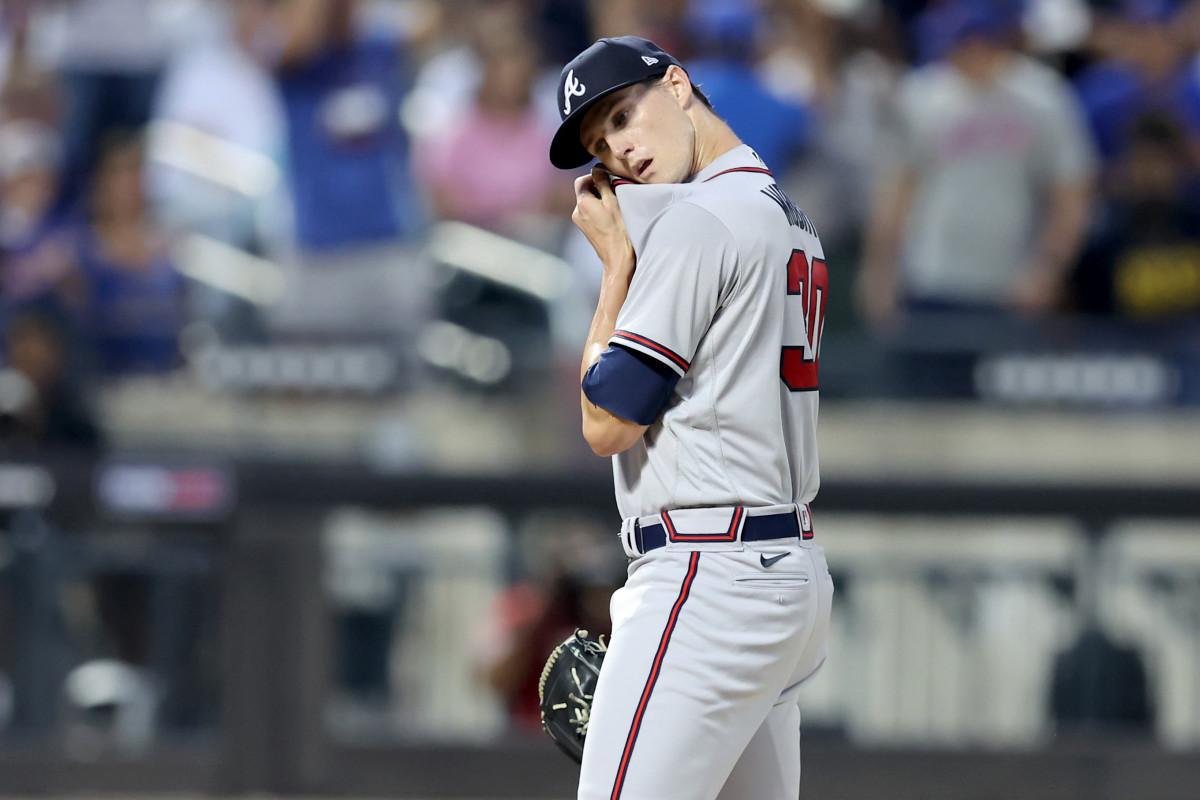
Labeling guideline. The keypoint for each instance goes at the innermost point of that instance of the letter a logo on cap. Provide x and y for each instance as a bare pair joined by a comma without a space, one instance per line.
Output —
650,60
572,88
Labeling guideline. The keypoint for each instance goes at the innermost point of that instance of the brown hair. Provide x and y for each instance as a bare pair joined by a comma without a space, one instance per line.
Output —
657,79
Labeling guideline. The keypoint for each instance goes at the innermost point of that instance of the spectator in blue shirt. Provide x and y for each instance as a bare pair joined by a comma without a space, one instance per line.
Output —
723,36
137,300
1152,69
348,157
356,211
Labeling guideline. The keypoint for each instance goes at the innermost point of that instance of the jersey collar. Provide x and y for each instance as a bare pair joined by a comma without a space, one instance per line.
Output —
740,158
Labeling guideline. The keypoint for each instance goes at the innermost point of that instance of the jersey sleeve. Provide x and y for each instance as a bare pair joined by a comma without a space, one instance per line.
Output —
630,384
684,273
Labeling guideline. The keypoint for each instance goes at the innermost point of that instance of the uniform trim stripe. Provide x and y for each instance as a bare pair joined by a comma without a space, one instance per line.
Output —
759,170
652,678
620,182
733,525
666,518
655,346
728,536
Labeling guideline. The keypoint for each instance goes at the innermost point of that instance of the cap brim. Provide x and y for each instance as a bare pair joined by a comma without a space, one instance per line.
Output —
566,150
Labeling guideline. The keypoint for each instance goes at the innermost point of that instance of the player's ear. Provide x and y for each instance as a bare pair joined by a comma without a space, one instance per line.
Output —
679,84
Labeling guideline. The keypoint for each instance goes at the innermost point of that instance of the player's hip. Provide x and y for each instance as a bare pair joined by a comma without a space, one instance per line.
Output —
769,599
718,529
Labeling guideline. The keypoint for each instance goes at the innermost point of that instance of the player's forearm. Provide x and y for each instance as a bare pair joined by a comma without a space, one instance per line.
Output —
606,433
598,215
613,290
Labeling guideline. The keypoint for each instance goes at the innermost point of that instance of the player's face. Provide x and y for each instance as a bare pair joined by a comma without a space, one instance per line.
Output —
642,133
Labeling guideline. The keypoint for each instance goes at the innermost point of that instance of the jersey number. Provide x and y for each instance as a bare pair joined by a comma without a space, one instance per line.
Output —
809,283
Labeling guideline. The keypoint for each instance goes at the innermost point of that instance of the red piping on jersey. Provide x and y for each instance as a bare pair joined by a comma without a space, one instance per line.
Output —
620,182
728,536
684,591
655,346
759,170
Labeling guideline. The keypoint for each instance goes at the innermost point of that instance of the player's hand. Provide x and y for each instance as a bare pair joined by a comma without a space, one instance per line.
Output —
598,215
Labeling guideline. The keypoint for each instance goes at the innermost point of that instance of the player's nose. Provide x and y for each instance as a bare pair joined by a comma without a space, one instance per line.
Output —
622,145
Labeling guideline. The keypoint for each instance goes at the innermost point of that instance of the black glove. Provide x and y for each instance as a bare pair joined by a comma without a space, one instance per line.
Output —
566,688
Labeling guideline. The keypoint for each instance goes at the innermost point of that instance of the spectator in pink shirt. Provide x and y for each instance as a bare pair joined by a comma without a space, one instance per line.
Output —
488,168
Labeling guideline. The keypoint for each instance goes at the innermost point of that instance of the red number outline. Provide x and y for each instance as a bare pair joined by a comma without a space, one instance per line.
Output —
798,365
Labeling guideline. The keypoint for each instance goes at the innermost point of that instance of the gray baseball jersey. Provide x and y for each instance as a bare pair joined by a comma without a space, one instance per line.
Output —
729,292
713,634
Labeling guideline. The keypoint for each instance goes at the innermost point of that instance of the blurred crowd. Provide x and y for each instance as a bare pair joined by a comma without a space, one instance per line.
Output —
178,172
179,175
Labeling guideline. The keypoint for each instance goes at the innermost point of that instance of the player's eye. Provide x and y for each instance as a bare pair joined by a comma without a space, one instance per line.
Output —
620,117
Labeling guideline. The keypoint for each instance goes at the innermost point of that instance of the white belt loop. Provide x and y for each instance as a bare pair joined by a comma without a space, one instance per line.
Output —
805,520
648,520
627,543
741,524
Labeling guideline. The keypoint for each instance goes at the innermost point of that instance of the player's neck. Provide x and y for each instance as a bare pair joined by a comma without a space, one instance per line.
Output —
714,138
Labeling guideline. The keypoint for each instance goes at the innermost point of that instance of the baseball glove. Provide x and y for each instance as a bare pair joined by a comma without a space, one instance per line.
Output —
566,688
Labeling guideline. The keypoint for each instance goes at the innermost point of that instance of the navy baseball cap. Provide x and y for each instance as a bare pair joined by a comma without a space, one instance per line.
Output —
600,70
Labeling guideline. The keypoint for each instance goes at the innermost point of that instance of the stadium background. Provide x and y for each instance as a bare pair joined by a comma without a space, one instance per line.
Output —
292,494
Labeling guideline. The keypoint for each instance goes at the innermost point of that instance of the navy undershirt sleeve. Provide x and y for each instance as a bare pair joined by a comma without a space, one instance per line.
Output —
632,385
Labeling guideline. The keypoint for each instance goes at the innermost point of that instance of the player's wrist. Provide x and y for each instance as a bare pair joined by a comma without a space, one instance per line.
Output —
619,259
617,276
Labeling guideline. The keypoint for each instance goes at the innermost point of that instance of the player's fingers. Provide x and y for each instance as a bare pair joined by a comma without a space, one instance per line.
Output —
602,180
585,186
586,205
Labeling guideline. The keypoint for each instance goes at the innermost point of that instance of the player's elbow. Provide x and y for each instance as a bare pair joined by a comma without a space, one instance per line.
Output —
607,437
600,440
605,450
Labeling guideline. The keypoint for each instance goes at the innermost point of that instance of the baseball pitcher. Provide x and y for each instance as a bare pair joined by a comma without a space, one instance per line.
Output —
699,378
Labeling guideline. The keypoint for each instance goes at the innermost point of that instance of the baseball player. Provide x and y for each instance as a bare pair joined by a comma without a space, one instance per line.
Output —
699,377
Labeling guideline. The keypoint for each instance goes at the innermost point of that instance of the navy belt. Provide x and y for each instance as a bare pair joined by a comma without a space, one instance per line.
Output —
754,529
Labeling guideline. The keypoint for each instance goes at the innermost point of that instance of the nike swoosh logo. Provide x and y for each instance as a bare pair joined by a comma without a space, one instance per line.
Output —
766,562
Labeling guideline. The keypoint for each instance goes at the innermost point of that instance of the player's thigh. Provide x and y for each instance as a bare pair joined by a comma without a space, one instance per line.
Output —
769,768
813,654
700,654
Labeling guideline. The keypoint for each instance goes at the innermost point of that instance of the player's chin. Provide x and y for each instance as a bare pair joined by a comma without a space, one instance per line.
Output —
660,176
